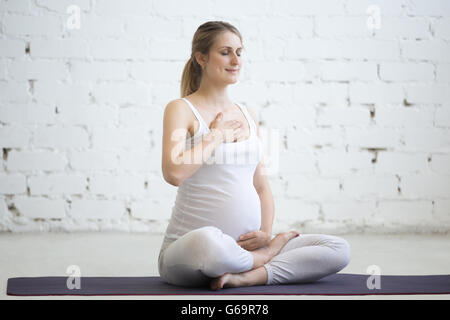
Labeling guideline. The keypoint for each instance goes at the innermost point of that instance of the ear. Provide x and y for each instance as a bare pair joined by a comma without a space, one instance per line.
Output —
200,58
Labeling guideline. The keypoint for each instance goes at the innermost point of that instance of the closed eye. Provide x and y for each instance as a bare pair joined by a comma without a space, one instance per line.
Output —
225,53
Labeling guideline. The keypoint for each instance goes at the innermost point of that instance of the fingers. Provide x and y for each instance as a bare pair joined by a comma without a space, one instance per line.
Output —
234,123
250,245
245,236
231,129
240,134
247,244
234,134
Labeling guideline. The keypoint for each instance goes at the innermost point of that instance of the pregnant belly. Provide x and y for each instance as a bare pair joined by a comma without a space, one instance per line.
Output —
234,213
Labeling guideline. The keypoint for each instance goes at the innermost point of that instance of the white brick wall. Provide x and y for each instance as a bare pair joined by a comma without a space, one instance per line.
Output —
363,114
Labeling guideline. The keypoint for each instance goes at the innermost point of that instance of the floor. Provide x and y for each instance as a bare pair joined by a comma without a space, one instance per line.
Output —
122,254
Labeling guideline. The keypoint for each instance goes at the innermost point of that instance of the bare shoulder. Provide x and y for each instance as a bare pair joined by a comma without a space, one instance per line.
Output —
177,110
176,106
177,115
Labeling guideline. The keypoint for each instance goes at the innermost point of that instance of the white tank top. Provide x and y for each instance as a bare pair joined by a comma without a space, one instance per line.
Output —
221,192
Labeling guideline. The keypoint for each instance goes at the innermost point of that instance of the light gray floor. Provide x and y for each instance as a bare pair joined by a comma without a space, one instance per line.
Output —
122,254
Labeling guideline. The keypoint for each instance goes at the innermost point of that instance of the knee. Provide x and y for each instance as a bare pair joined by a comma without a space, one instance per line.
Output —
204,235
343,248
211,251
204,241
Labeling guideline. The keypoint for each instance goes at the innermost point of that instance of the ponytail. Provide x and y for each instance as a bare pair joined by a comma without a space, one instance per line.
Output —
190,80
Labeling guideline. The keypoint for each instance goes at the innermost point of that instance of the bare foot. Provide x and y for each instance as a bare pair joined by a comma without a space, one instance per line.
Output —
280,240
236,280
224,281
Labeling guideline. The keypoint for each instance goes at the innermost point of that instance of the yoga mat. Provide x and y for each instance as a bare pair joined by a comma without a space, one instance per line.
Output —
336,284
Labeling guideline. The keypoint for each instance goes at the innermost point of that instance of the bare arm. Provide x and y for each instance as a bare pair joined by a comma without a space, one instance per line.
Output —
267,209
179,164
262,187
189,161
262,237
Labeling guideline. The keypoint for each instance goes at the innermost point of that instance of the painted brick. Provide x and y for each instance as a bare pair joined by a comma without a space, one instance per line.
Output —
360,115
40,207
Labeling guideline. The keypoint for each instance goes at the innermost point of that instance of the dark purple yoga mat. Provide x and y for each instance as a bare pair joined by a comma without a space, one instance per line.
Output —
336,284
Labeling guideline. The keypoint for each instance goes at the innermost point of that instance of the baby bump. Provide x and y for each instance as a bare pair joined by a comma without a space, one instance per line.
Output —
235,214
241,215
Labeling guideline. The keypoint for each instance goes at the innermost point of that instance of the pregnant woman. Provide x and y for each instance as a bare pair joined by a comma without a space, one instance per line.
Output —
220,230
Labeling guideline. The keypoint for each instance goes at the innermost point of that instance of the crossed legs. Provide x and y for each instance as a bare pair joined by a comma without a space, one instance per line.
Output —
206,256
258,274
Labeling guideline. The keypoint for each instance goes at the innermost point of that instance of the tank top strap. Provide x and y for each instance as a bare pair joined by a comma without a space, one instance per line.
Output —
249,118
197,114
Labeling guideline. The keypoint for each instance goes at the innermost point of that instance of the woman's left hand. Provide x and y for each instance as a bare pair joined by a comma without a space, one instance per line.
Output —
254,240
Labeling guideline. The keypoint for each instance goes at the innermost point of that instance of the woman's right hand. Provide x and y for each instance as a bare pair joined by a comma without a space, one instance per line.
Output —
229,131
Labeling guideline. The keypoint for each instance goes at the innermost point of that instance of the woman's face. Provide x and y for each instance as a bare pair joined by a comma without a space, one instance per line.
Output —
225,55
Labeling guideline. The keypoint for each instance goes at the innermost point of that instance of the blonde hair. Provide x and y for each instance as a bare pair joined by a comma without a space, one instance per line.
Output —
202,42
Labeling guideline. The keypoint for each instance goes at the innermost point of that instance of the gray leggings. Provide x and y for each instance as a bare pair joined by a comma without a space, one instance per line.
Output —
206,253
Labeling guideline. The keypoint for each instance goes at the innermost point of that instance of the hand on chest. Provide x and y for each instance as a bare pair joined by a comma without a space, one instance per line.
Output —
233,115
230,114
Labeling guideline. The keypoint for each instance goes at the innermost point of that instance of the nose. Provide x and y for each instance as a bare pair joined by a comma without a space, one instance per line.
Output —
235,59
